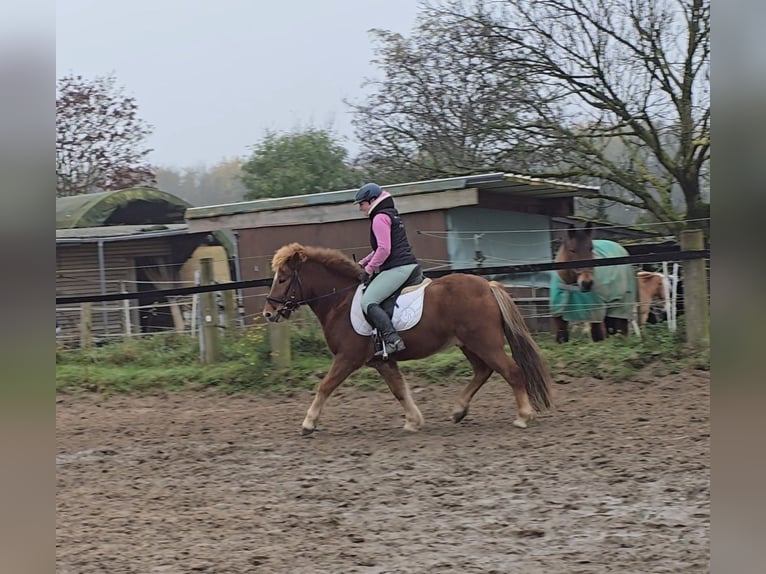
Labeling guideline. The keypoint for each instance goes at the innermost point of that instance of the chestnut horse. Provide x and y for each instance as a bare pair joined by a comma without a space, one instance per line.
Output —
603,296
458,309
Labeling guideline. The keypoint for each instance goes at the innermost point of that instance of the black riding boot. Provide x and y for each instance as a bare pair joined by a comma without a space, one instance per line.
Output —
382,322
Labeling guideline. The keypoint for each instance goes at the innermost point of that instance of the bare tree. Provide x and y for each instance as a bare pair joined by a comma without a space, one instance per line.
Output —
99,138
622,91
607,92
442,107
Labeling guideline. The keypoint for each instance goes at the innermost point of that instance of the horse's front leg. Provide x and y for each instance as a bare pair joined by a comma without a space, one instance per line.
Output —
562,330
339,371
598,331
389,370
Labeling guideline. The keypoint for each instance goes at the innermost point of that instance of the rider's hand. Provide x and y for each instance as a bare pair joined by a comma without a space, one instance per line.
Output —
365,277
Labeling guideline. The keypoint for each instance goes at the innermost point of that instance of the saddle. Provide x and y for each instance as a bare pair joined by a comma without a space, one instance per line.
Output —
404,312
415,279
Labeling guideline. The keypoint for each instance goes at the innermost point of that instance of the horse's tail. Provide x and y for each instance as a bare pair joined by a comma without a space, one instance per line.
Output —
526,353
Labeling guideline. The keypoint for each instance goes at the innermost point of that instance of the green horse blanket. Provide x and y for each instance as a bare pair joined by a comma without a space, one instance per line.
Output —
613,294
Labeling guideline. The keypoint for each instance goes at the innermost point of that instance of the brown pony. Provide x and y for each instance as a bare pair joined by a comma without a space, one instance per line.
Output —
464,310
651,291
603,296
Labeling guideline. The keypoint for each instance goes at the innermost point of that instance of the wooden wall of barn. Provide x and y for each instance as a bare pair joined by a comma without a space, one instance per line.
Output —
257,246
77,273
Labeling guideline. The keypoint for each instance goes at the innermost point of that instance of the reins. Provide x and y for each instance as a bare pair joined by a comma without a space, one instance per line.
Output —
292,303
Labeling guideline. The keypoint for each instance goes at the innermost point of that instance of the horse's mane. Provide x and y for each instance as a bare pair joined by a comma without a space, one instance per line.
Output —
331,258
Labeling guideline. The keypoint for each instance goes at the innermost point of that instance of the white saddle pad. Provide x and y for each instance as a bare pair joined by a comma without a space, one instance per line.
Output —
407,312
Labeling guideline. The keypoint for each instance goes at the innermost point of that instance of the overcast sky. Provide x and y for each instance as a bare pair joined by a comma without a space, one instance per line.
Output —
212,75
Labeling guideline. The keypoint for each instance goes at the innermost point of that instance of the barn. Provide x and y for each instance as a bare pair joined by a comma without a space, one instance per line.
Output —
455,223
123,241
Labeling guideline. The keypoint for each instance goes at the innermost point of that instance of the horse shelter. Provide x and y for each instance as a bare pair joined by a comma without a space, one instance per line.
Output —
126,241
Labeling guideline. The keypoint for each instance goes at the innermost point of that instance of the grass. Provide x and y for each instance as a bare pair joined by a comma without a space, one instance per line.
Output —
171,362
659,351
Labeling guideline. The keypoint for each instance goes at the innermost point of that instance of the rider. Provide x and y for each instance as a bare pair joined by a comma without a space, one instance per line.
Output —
388,265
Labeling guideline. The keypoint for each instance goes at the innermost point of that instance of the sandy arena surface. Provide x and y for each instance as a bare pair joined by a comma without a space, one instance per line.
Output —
615,479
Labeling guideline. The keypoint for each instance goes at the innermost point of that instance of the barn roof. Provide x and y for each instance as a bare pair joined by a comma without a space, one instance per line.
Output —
119,232
499,182
134,206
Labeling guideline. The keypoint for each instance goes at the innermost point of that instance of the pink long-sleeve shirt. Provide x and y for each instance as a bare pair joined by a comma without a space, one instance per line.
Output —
381,228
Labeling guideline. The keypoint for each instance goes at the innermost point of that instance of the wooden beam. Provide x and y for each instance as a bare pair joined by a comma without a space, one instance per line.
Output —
309,215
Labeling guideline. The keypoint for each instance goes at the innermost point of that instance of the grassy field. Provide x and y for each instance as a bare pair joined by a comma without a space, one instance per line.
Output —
171,362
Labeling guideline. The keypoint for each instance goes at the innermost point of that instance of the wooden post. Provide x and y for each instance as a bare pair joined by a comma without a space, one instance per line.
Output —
696,304
86,326
195,304
175,311
279,339
209,314
229,309
125,309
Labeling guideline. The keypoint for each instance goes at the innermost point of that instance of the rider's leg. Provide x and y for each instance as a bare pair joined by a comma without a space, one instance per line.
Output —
381,287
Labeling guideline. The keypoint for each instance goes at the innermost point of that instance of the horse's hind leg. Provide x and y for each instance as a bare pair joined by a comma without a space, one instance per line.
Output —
498,361
481,372
339,371
389,370
616,325
562,330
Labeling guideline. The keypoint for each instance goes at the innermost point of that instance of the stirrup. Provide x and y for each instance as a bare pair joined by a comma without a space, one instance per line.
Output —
379,346
387,349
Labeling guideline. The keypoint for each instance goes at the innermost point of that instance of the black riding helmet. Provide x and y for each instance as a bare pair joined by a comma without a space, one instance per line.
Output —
368,192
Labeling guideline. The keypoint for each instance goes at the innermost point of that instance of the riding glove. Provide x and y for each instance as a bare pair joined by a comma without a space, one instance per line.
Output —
365,278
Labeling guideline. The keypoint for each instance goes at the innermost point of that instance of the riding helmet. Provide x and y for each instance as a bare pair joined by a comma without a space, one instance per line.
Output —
368,192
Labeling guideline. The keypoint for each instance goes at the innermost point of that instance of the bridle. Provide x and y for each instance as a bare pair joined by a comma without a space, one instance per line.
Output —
291,302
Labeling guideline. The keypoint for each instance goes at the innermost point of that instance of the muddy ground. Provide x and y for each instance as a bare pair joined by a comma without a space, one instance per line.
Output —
616,479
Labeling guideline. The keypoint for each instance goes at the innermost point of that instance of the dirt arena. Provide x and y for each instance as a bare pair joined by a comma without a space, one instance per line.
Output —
616,479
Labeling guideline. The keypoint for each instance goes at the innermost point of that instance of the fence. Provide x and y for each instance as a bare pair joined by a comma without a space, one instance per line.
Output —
207,320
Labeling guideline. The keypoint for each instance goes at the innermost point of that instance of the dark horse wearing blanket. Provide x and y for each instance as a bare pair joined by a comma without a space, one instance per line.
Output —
464,310
603,296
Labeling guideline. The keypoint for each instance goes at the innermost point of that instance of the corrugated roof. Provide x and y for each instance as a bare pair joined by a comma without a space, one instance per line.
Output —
94,209
500,182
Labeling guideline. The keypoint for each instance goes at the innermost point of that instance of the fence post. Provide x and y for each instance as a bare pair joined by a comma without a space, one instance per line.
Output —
229,309
279,339
696,304
209,315
86,326
195,304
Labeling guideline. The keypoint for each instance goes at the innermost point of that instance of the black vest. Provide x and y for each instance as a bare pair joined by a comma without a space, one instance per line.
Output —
401,252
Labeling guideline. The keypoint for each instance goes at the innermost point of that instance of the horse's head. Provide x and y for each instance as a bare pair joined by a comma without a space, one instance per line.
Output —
286,293
306,275
577,246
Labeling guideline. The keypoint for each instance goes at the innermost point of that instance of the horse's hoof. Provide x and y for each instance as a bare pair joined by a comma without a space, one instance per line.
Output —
306,431
411,427
458,416
521,423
